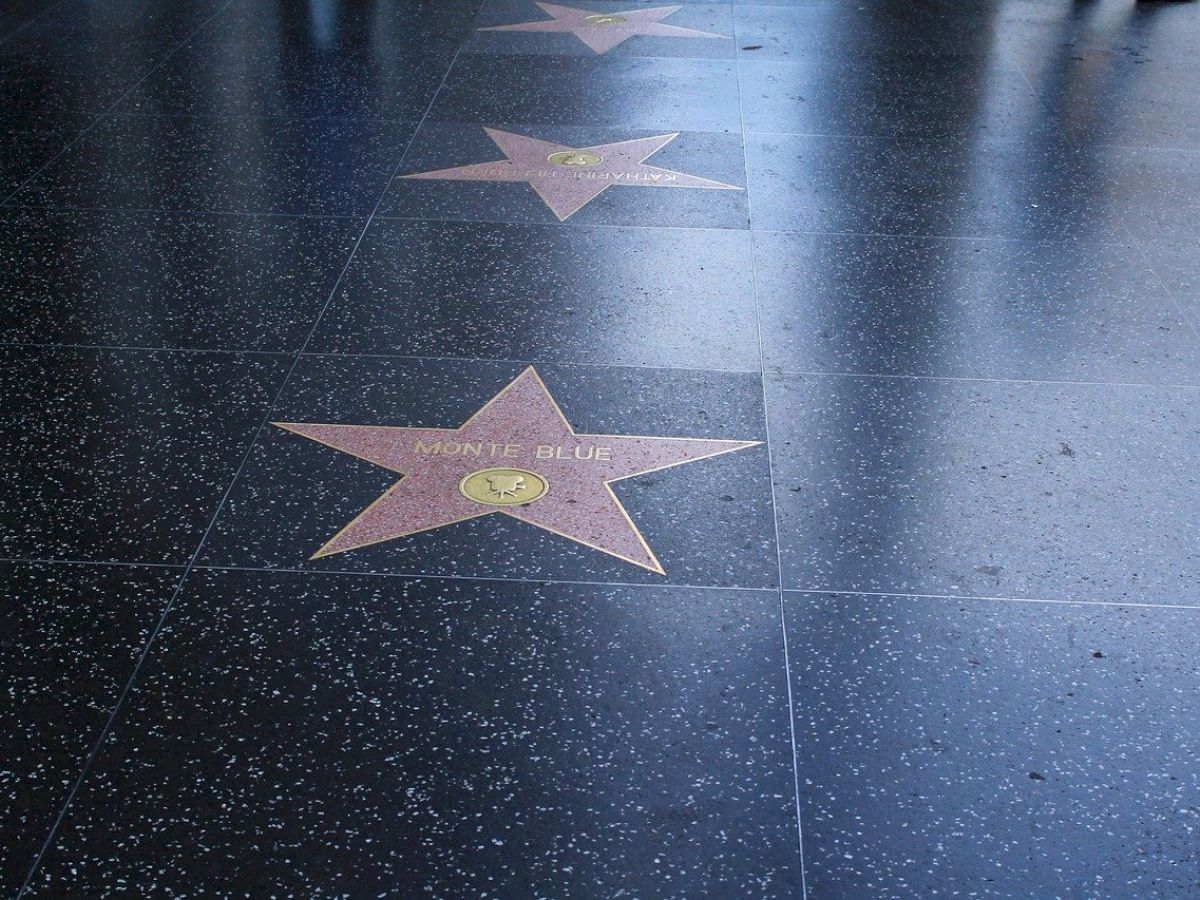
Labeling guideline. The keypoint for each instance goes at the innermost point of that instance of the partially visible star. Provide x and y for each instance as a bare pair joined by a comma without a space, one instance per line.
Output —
603,31
520,443
568,178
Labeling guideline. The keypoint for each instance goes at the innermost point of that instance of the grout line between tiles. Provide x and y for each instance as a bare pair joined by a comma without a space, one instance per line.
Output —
1184,312
422,576
567,582
529,361
251,214
898,235
94,752
106,114
787,666
115,563
964,139
1131,604
139,348
233,351
817,373
1132,239
453,221
51,209
32,20
110,111
977,598
95,748
137,114
766,374
303,352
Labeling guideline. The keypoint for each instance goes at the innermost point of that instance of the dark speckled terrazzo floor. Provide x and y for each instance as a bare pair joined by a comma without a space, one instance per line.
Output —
936,634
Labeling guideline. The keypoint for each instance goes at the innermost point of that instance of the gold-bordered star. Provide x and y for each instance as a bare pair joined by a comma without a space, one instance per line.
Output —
517,456
568,178
603,31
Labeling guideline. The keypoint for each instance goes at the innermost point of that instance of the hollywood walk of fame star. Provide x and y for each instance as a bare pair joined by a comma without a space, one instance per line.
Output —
603,31
517,456
568,178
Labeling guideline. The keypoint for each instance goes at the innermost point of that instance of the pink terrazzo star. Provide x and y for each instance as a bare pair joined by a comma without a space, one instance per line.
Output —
568,178
603,31
520,430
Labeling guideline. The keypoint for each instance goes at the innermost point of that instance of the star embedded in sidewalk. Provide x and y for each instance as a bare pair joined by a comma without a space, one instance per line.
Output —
518,457
568,178
603,31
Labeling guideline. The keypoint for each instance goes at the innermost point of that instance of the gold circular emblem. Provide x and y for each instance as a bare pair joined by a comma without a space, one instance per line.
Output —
503,487
604,19
574,158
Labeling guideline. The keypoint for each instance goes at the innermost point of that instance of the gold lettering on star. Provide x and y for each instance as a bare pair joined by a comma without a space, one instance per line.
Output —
492,450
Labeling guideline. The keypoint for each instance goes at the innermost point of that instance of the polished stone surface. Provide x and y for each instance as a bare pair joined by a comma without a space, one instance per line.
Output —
552,295
225,79
201,281
1151,191
47,74
72,635
322,166
795,29
122,455
21,14
1177,263
378,30
940,257
24,150
939,96
954,187
450,737
996,749
987,488
132,23
1012,309
1125,99
660,94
